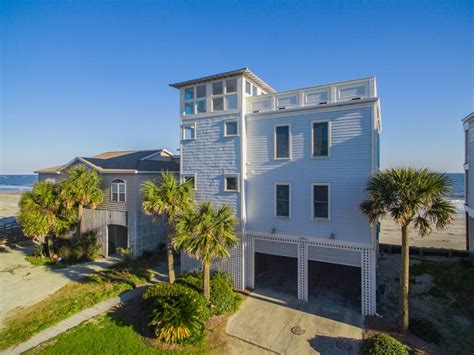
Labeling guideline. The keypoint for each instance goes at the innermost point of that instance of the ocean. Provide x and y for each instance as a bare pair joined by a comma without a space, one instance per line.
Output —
18,183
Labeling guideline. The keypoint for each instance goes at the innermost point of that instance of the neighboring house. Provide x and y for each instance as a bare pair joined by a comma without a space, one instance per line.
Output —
468,125
294,166
119,220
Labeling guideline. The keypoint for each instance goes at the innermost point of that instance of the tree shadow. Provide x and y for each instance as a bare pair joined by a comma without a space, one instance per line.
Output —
327,345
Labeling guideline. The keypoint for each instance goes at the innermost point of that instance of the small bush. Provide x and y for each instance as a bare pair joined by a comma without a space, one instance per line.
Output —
383,344
65,252
223,298
425,330
178,313
85,247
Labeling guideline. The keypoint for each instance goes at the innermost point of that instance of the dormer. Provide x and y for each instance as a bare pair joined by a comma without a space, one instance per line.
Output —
220,93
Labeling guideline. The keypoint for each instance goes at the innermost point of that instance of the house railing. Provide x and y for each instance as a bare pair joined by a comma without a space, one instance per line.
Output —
314,96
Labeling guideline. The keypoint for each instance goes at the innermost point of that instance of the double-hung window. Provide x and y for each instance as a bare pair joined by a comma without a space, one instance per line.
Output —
188,131
195,100
282,142
224,95
321,202
118,191
282,200
321,139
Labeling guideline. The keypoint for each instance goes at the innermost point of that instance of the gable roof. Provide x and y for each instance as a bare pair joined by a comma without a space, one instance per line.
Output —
243,71
131,161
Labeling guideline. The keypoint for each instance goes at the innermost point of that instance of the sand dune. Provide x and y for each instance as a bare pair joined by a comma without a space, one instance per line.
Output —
9,203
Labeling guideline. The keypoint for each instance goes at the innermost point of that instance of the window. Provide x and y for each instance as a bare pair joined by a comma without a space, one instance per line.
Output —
231,128
248,87
320,200
195,100
282,200
282,142
189,132
191,179
224,95
321,139
118,191
231,183
353,91
254,90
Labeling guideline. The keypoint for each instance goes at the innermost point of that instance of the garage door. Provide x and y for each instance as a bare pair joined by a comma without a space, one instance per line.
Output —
334,255
276,248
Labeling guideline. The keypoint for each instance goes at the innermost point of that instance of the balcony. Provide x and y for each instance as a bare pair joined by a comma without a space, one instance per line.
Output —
353,90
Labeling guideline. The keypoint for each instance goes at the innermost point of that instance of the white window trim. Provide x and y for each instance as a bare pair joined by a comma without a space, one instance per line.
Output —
186,125
351,85
225,128
195,100
329,139
318,219
290,141
275,200
193,175
224,95
124,182
225,182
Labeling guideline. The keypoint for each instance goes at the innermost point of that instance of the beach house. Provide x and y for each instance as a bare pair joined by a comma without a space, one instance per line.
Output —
468,125
119,221
294,166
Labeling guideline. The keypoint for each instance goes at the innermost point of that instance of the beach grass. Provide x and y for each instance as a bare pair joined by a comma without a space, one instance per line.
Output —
71,299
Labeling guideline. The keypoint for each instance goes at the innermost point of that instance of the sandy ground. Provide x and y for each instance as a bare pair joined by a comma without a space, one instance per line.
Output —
9,203
22,284
454,237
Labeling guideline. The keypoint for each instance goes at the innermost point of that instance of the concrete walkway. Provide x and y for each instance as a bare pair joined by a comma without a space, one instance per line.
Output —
281,324
23,284
74,321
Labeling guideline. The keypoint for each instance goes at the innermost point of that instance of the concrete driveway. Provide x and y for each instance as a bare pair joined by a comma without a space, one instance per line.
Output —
280,323
22,284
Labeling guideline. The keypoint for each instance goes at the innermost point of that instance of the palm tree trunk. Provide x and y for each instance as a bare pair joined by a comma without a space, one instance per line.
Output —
169,253
404,278
50,246
80,212
206,268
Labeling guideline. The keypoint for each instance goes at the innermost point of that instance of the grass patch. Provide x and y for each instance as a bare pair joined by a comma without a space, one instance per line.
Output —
450,278
72,298
37,261
104,335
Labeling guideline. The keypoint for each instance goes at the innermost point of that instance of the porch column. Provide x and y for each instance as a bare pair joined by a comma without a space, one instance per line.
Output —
368,282
249,261
302,270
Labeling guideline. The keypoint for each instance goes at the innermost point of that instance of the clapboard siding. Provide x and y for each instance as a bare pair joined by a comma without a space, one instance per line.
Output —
334,256
210,156
131,198
347,170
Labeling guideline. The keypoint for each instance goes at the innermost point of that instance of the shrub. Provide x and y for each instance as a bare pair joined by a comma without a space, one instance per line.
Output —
65,252
425,330
383,344
85,247
126,253
177,313
223,298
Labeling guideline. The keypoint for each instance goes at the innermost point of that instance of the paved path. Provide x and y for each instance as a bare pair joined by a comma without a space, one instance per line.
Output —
266,320
73,321
22,284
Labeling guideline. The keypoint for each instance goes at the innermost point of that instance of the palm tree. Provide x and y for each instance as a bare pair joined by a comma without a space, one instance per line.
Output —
81,188
412,197
42,213
208,234
168,199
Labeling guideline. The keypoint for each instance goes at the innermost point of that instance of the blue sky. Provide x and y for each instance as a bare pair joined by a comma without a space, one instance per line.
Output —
82,77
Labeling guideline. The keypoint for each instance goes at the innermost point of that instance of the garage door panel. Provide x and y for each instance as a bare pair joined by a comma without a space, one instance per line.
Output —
276,248
334,255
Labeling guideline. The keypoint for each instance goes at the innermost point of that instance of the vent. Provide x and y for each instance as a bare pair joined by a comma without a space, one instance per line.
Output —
356,98
256,111
323,102
282,107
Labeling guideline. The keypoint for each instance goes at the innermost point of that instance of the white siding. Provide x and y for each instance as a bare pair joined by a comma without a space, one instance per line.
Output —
347,172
